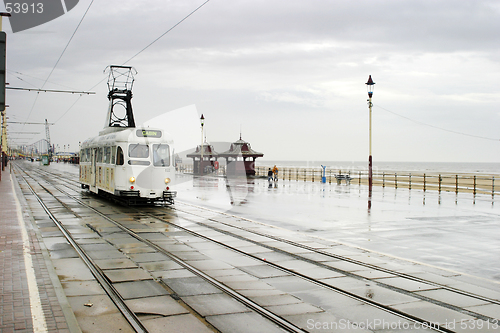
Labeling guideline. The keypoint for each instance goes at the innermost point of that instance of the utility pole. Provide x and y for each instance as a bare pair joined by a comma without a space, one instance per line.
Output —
3,143
47,134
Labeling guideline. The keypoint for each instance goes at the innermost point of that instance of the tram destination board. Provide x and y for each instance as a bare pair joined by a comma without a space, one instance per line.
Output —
148,133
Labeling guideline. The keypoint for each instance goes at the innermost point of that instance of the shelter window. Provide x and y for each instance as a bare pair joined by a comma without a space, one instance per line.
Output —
138,150
161,155
119,156
87,154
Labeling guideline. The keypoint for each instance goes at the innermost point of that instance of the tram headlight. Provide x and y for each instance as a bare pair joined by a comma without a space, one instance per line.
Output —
131,179
167,180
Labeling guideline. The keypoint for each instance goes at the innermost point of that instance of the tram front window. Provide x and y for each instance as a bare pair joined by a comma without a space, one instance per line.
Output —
161,155
138,151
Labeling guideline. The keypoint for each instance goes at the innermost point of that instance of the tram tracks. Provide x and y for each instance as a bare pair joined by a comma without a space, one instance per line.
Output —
366,300
115,296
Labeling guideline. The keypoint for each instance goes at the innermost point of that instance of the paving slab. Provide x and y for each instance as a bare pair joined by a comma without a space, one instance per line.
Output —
82,288
209,264
248,322
72,269
147,257
105,324
452,298
160,265
264,271
432,312
214,304
323,322
136,289
406,284
282,299
293,309
64,254
224,272
119,263
191,286
92,305
290,283
127,274
249,285
172,274
489,310
160,305
185,323
110,254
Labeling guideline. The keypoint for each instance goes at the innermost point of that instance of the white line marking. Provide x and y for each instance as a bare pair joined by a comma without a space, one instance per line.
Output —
37,316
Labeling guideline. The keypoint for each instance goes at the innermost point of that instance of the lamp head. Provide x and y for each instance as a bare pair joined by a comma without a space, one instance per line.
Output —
369,86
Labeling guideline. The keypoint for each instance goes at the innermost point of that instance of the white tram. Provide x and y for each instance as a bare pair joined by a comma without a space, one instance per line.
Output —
134,165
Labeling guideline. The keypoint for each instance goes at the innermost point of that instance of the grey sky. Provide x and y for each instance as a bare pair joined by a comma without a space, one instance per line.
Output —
291,73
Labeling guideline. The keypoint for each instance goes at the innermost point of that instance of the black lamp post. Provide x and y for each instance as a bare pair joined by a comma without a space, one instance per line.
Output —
369,87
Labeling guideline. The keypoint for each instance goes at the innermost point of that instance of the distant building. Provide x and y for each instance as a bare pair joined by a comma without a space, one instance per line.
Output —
240,151
209,158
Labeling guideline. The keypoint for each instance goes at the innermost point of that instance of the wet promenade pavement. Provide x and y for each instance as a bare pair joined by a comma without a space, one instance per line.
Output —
457,232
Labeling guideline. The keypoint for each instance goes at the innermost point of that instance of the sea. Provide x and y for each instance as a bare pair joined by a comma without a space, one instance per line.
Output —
416,167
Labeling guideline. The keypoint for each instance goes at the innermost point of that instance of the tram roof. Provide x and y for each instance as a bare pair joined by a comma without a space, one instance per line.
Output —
135,134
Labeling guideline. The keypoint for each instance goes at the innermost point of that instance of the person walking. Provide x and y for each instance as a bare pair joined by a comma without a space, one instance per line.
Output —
275,172
269,175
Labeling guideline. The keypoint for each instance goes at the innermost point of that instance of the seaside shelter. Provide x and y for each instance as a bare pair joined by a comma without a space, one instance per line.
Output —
240,158
209,162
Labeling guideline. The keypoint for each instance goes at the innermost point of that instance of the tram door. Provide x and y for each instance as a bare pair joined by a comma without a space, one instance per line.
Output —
93,167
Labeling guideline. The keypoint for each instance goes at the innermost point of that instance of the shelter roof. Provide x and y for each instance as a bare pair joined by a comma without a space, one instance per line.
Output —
241,148
208,150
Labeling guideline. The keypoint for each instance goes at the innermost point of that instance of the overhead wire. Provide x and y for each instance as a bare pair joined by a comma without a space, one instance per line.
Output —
437,127
142,50
166,32
59,59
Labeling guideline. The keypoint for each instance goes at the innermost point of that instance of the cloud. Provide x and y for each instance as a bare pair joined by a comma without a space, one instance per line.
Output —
239,61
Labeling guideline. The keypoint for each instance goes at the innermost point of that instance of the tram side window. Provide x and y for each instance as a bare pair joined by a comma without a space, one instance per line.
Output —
87,155
107,154
82,155
113,153
119,156
138,151
99,155
161,155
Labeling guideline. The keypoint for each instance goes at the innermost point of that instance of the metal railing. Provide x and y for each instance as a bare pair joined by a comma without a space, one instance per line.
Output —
476,184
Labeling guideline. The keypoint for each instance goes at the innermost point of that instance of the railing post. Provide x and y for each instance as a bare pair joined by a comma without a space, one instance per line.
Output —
424,183
330,176
395,180
474,184
409,181
359,179
456,184
440,180
383,179
312,175
493,186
